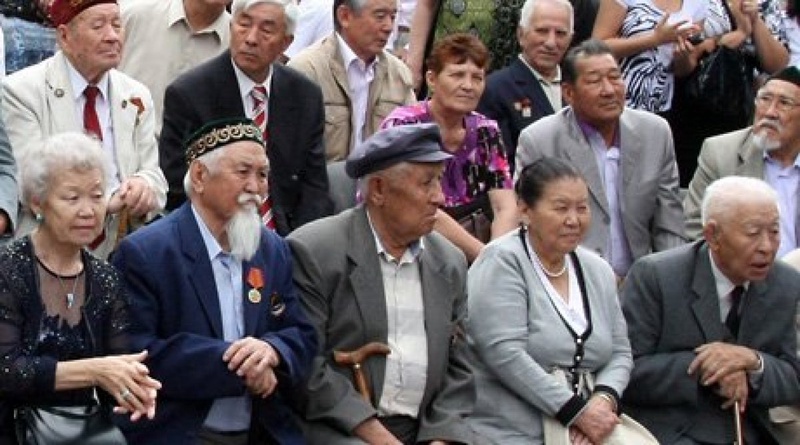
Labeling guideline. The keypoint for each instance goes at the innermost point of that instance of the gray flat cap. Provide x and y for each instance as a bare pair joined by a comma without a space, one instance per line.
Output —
412,143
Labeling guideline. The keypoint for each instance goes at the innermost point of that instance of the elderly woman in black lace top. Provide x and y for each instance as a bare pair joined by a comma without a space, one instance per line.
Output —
62,311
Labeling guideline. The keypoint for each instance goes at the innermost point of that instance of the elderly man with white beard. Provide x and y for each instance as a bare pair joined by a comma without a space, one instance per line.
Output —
767,150
212,300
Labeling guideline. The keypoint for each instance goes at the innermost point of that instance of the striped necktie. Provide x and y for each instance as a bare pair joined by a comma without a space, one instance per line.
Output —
259,95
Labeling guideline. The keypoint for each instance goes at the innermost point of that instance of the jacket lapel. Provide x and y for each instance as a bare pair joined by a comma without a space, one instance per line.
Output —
751,159
581,155
706,303
436,299
337,66
527,81
367,285
754,309
60,97
199,273
123,118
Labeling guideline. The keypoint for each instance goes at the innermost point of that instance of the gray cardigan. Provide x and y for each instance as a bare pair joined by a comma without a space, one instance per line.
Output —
517,336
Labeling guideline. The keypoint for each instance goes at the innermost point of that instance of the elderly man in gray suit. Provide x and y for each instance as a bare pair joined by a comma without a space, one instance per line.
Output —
767,150
625,155
376,273
712,325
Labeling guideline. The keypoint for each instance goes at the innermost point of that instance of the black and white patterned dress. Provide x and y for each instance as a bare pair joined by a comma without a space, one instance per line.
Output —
648,74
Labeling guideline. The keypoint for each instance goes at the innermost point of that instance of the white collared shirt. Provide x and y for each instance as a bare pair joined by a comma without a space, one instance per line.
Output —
158,30
246,85
551,88
406,372
102,106
359,77
724,288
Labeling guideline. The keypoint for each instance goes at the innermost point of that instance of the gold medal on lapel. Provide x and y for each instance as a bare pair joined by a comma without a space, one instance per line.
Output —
254,296
256,281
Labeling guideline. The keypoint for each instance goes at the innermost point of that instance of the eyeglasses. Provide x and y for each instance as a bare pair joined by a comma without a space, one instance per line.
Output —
782,103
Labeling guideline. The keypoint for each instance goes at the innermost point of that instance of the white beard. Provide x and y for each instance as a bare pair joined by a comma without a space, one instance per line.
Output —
767,144
764,143
244,230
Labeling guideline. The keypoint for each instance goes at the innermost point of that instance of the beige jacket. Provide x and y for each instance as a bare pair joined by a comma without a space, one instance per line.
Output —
323,63
37,103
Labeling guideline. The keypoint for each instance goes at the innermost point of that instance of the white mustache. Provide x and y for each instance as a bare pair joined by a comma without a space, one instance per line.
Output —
770,123
250,198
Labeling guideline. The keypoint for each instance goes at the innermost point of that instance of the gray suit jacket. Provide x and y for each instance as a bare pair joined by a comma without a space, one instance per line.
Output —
9,195
671,305
652,215
337,271
38,103
724,155
519,337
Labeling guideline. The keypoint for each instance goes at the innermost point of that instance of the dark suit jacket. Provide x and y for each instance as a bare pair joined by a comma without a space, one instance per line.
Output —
338,273
670,303
506,90
175,315
298,179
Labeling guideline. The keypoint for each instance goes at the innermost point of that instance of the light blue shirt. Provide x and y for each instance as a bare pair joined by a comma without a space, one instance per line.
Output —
785,181
617,252
227,414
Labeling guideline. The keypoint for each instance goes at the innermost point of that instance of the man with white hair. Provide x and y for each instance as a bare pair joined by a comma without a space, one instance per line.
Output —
712,325
247,81
80,89
212,302
767,150
530,86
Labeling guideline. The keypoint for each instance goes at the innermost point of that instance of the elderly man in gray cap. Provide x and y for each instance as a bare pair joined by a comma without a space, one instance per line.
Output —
387,297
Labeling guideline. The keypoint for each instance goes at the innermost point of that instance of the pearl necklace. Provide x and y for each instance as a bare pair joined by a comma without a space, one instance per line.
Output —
547,272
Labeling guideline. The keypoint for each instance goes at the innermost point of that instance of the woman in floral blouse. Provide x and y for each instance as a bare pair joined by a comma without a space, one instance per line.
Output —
478,175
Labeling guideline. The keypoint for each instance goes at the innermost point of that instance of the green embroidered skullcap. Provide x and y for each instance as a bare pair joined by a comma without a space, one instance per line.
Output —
220,133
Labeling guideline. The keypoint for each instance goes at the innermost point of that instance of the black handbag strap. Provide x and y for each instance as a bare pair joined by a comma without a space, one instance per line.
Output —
731,20
580,339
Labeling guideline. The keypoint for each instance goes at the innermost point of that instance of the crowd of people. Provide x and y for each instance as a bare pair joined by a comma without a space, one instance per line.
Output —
519,262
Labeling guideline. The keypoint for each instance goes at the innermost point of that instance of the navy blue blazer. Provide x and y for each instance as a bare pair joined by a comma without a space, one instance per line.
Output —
175,315
508,92
295,127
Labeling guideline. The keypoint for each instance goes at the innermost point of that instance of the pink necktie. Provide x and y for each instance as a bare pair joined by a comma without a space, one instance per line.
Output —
259,95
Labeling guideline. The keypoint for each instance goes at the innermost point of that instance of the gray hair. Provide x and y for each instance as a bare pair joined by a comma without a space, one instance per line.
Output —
355,5
211,160
526,12
71,151
722,196
395,173
290,10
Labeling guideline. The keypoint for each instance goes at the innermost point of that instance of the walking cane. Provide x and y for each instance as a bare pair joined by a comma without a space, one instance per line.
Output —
355,359
737,422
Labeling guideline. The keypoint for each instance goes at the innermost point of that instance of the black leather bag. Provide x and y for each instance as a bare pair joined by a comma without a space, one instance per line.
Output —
723,83
475,217
66,425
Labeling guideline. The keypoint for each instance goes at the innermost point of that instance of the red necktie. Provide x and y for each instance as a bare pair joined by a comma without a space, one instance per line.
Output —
90,121
92,126
259,94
